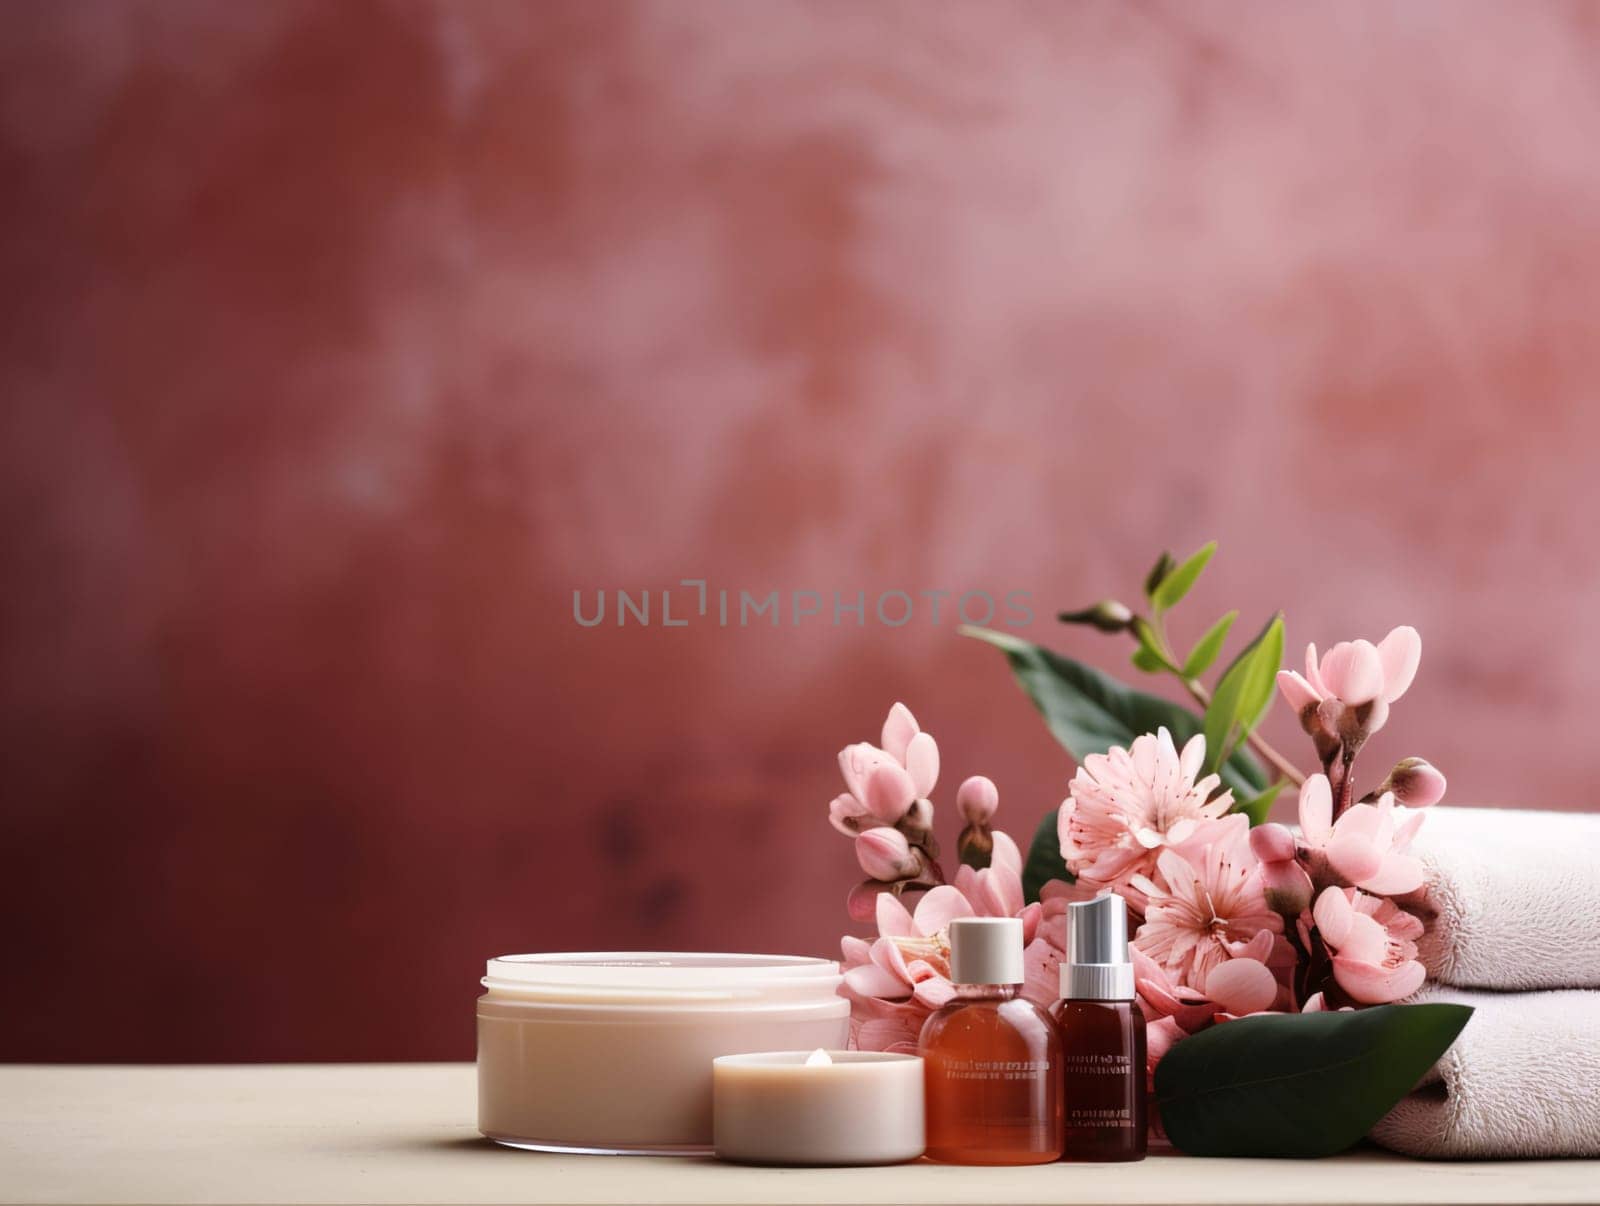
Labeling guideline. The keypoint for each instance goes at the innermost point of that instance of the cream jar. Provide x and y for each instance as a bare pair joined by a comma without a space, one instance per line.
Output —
611,1052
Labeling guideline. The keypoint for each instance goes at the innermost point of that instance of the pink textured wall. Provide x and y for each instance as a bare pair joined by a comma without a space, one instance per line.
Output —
341,342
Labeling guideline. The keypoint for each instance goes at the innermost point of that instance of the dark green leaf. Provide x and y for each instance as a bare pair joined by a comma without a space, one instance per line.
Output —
1207,647
1044,857
1158,573
1302,1084
1244,692
1176,584
1088,711
1257,807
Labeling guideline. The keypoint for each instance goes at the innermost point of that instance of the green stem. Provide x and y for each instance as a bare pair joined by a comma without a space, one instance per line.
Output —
1197,689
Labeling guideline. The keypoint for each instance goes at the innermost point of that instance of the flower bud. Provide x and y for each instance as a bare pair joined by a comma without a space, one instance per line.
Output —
1288,887
886,856
977,799
889,792
1416,783
1272,843
1107,615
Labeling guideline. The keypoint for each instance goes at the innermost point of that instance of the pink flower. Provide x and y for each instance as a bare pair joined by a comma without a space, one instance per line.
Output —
913,749
882,785
1208,905
895,981
1356,673
1374,945
886,856
1365,847
1128,805
880,790
1238,985
977,799
1287,886
911,956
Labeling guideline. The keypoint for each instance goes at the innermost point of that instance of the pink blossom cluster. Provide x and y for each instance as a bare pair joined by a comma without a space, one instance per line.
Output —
1227,920
895,980
1233,920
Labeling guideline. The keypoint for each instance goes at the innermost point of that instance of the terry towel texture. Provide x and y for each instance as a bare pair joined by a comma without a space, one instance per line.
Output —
1516,897
1519,1081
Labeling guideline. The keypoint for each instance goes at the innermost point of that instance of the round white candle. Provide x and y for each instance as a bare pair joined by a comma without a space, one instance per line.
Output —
818,1107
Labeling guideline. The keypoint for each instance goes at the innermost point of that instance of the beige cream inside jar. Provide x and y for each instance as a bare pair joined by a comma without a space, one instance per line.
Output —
610,1052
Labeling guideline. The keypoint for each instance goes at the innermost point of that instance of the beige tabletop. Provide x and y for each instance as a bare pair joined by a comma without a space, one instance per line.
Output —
348,1133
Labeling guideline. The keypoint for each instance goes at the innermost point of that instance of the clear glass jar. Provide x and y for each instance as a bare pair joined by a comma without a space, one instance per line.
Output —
611,1051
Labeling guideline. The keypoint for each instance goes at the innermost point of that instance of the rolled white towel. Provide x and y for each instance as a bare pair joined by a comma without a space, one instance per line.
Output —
1512,898
1519,1081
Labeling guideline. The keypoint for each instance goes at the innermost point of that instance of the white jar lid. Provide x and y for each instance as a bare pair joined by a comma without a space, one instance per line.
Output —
678,975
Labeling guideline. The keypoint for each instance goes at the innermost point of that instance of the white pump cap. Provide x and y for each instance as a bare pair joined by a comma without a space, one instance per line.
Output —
986,950
1097,966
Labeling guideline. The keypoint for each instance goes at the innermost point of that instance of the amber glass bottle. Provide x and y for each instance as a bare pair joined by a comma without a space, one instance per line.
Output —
992,1057
1102,1037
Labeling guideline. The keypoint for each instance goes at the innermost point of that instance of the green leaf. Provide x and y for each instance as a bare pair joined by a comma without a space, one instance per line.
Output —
1044,857
1158,573
1176,584
1257,807
1263,681
1300,1084
1244,692
1088,712
1149,645
1148,660
1207,647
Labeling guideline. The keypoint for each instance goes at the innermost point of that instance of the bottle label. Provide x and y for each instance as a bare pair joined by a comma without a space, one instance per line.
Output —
1098,1065
994,1069
1087,1071
1100,1118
